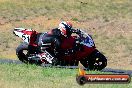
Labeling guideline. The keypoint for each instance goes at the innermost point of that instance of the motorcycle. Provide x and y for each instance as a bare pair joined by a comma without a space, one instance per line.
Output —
88,55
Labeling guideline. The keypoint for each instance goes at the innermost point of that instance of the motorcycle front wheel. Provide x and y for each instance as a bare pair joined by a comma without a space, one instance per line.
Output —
96,61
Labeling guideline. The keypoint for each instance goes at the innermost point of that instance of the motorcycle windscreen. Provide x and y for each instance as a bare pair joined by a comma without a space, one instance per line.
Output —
88,41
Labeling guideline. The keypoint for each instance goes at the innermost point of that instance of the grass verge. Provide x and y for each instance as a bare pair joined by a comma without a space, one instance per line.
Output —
32,76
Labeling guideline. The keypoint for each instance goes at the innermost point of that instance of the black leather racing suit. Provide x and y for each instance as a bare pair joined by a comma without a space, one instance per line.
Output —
50,41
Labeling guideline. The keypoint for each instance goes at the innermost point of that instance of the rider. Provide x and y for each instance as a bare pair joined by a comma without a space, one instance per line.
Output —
54,38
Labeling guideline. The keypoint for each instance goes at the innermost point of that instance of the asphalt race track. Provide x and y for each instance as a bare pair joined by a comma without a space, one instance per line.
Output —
118,71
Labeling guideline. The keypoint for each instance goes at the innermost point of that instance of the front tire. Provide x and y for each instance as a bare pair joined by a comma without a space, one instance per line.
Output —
96,61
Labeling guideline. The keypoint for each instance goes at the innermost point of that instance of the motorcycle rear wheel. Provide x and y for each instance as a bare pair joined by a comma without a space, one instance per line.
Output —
22,54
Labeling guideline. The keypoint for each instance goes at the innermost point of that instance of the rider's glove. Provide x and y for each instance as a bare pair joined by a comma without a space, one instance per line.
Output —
78,31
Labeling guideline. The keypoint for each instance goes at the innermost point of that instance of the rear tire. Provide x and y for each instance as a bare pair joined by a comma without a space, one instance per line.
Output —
24,56
20,52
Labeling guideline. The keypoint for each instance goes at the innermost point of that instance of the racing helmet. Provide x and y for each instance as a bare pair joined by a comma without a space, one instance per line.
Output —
65,28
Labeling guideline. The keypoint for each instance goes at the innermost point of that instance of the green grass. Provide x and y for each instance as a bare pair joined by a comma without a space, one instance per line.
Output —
31,76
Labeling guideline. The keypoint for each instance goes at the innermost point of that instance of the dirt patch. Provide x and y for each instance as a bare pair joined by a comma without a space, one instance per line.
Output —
3,0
